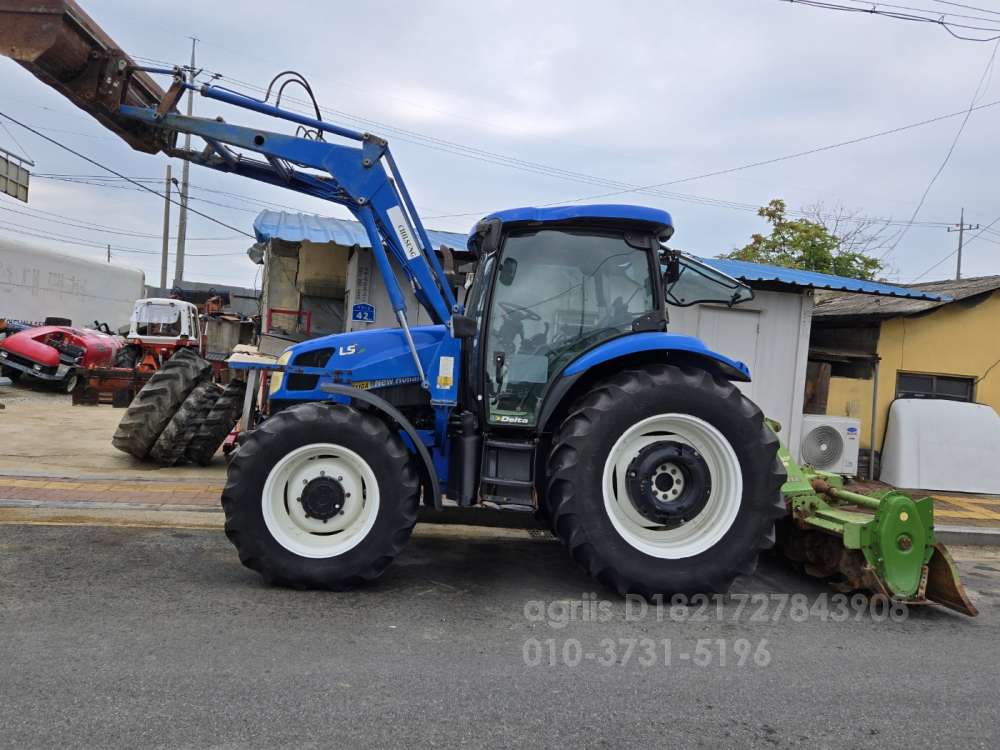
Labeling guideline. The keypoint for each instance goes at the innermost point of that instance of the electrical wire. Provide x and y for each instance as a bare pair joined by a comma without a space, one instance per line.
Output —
119,174
951,150
547,170
49,235
872,9
760,163
91,226
953,253
938,13
21,148
967,7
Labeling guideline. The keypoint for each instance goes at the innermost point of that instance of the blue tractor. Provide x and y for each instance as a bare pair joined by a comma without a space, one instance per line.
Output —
554,386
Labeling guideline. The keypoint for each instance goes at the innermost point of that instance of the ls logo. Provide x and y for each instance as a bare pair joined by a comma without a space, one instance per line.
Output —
346,351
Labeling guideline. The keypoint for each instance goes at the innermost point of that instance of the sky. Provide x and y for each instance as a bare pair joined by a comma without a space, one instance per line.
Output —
630,93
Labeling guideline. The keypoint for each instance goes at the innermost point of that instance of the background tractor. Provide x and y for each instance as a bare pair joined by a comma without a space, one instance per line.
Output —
158,328
555,388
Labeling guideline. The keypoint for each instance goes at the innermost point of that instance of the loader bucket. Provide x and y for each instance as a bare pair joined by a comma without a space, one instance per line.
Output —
64,48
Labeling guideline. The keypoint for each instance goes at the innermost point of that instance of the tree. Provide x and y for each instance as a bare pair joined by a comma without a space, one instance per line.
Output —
837,243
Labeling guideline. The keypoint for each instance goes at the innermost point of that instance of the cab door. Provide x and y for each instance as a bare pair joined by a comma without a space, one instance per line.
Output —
556,293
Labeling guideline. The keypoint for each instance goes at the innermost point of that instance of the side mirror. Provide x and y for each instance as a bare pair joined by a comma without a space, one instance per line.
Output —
671,266
508,270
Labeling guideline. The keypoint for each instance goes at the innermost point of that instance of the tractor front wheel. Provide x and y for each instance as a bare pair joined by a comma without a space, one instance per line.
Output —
665,480
320,496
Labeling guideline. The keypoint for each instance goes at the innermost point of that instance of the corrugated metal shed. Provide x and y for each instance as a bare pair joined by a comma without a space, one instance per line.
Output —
851,305
293,227
760,272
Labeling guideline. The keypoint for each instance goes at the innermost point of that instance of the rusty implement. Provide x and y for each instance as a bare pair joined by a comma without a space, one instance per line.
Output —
883,543
64,48
109,385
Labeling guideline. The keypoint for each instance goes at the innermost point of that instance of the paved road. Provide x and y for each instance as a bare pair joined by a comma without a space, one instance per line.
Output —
114,637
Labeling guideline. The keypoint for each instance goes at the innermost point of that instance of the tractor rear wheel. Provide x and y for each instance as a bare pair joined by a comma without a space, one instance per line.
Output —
320,496
217,424
665,480
158,401
172,442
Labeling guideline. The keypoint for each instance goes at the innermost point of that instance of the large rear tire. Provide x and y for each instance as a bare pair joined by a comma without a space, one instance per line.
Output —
158,401
665,480
217,424
172,442
320,496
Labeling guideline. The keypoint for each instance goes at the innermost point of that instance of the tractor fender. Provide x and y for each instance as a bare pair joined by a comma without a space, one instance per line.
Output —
626,347
653,341
396,416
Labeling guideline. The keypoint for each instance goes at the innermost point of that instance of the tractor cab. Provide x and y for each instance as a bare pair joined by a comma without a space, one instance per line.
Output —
163,321
553,284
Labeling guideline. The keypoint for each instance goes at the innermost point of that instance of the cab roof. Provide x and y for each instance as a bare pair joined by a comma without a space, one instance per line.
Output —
652,217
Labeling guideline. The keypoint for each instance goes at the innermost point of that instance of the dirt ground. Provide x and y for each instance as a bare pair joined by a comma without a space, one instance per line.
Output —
42,433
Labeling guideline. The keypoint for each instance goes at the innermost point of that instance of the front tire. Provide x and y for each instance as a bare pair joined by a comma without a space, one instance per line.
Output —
665,480
320,496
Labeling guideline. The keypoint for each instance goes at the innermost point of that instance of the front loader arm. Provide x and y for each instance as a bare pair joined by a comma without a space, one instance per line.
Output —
67,50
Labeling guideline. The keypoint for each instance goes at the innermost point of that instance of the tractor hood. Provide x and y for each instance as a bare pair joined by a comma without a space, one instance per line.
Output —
28,345
376,358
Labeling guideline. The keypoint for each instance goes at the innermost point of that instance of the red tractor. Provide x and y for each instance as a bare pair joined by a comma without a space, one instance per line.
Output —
54,354
159,328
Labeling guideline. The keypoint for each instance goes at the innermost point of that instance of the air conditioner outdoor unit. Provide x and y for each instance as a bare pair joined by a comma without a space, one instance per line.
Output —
830,443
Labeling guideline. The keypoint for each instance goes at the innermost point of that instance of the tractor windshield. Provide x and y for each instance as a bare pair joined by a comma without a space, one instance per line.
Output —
557,294
158,320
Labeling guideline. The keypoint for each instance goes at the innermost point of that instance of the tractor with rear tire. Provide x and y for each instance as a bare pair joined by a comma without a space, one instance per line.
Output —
554,387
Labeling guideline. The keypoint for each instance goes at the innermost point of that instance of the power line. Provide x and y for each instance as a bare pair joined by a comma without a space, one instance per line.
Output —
872,9
91,226
22,149
938,13
109,169
761,163
951,150
967,7
50,235
953,253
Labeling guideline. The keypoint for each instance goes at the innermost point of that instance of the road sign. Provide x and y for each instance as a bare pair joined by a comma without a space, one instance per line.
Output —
363,313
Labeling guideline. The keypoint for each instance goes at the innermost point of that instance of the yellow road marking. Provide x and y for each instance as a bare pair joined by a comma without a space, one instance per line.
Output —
943,513
978,510
123,486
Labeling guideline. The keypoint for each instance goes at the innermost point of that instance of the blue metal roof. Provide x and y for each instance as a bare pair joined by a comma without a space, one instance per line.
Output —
624,212
293,227
751,272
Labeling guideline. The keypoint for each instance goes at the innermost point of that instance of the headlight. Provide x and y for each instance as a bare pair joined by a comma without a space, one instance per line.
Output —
278,377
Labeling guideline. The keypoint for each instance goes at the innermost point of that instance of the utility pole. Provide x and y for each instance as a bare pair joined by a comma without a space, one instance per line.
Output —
109,253
960,228
166,232
182,222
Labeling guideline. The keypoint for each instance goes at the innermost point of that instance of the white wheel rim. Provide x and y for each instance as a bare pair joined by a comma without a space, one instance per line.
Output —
704,530
311,537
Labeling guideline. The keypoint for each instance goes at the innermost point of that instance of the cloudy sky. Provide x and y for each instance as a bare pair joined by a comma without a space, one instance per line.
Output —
475,95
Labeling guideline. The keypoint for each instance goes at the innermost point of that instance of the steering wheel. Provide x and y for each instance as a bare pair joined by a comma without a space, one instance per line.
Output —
524,312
